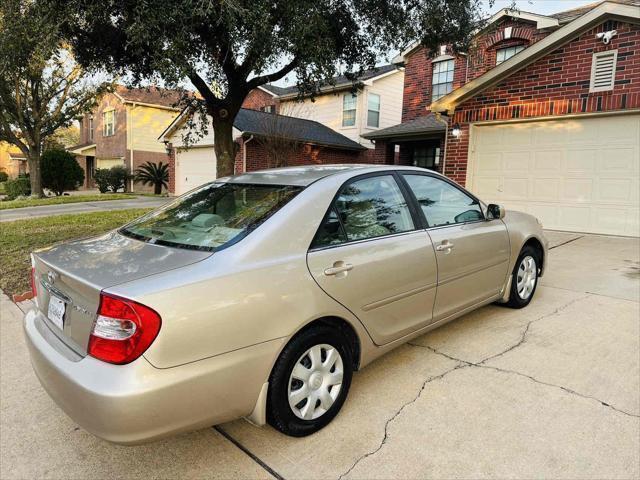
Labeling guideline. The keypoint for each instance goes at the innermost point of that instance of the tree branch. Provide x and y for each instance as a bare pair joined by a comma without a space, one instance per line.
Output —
272,77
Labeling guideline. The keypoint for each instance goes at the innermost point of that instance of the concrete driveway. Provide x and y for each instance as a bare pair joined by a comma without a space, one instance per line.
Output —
550,391
81,207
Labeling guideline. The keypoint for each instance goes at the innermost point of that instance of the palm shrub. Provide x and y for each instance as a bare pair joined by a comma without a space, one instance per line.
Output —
60,171
156,174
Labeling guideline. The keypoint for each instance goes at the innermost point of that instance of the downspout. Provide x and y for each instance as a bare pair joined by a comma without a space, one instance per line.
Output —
244,154
130,141
439,118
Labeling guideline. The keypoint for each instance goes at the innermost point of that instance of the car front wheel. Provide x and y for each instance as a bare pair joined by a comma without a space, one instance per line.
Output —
524,278
309,382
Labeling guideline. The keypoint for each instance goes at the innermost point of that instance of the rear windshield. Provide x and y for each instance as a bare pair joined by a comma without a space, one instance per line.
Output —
211,217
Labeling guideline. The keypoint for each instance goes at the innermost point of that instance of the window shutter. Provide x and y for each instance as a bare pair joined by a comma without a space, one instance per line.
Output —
603,71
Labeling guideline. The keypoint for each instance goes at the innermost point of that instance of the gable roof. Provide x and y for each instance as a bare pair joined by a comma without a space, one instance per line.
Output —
254,122
152,96
338,82
567,16
263,124
606,9
419,127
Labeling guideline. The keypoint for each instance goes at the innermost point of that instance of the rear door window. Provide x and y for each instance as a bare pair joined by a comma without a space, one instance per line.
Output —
365,208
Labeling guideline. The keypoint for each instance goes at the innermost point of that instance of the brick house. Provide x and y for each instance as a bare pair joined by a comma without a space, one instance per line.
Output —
328,129
123,130
542,115
262,138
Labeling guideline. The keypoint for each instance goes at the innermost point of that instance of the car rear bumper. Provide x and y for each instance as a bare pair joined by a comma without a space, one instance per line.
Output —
137,402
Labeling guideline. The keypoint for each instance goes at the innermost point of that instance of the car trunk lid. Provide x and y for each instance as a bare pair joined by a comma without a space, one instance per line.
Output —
76,272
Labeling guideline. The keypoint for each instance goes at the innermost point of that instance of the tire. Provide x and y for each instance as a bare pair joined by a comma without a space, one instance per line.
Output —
519,298
312,381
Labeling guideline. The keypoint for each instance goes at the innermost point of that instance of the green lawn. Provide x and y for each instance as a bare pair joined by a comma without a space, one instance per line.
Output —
36,202
19,238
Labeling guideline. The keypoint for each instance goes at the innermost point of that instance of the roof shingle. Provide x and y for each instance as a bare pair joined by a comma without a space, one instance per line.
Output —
150,95
427,125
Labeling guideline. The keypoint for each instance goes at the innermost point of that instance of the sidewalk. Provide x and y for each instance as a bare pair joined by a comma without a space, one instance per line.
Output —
81,207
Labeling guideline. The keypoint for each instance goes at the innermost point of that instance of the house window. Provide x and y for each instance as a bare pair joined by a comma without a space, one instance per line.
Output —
349,101
442,82
426,156
108,123
91,128
373,111
504,54
603,71
268,108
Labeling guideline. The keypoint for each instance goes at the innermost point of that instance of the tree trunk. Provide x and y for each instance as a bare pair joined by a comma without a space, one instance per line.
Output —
157,189
224,146
35,176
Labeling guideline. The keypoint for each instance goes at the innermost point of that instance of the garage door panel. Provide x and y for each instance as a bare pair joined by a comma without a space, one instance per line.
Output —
578,174
582,161
548,161
547,189
194,167
578,190
517,162
615,190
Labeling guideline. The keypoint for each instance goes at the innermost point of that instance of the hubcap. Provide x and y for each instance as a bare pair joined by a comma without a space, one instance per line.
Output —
526,277
315,382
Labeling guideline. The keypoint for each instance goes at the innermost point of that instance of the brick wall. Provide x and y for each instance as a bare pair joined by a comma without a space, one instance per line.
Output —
257,99
258,159
112,146
556,85
481,57
140,158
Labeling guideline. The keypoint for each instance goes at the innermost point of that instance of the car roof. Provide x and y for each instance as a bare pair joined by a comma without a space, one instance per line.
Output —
307,174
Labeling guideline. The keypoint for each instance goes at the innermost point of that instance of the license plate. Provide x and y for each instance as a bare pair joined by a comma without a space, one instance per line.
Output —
56,311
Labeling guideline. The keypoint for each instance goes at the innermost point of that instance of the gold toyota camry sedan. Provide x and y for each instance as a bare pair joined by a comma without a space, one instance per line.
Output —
259,295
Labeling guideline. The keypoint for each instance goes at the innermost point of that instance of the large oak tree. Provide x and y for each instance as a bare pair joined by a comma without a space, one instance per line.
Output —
42,88
226,48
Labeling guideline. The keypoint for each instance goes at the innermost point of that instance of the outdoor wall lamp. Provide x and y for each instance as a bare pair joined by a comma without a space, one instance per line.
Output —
167,147
455,131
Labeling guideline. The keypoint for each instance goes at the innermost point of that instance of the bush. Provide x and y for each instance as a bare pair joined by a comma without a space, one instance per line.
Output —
111,179
60,171
3,176
20,187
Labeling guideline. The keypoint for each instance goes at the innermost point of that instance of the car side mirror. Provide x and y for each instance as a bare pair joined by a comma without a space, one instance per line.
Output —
495,212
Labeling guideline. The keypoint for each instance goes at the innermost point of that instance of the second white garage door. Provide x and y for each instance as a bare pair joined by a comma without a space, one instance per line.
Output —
577,175
194,167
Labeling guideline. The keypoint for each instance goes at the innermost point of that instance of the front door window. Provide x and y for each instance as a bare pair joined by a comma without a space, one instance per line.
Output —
426,156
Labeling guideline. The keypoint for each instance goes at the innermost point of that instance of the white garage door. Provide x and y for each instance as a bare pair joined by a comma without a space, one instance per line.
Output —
578,175
194,167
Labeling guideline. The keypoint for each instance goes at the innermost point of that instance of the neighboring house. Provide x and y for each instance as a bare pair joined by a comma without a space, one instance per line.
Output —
123,130
12,160
265,140
543,116
372,102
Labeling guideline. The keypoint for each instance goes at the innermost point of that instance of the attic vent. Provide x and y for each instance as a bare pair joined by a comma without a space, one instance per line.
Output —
603,71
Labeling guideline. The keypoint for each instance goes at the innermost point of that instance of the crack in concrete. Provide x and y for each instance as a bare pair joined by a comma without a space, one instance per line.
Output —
515,372
460,364
565,242
523,336
481,364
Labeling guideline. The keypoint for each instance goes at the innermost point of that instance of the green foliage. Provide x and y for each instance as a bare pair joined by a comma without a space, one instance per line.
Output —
19,187
239,45
42,88
156,174
111,179
60,171
3,176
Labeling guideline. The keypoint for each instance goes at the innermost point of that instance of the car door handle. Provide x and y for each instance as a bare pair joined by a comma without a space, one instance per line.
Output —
338,267
445,246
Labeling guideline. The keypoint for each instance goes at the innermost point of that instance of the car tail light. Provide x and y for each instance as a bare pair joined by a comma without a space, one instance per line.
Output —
123,330
34,290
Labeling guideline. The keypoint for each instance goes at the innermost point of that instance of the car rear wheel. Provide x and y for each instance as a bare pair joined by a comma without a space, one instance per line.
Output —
309,382
524,278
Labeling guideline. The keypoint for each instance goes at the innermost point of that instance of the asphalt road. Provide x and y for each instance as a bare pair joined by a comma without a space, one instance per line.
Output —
549,391
81,207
